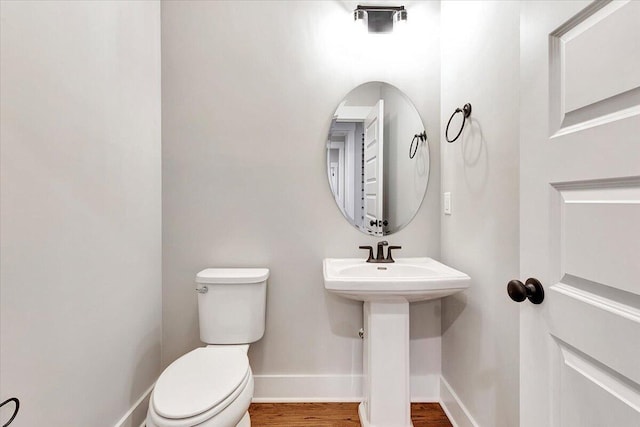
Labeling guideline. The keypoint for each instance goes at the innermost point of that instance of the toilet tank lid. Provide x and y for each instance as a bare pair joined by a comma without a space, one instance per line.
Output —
232,275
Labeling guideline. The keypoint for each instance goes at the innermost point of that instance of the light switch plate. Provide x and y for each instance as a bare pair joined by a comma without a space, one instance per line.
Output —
447,203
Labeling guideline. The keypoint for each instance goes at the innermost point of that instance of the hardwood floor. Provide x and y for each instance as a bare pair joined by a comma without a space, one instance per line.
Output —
334,415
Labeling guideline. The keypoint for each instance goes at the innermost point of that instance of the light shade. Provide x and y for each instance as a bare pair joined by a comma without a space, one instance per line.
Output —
380,19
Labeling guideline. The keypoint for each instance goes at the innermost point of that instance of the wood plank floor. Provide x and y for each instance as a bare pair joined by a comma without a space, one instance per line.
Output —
334,415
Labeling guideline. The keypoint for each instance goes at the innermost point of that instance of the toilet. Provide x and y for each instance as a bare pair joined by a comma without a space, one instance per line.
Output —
212,386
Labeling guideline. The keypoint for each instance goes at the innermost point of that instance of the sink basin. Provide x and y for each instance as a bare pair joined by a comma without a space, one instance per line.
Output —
407,279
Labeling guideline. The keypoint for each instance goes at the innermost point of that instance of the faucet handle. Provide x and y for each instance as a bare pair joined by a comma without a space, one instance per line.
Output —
370,252
389,252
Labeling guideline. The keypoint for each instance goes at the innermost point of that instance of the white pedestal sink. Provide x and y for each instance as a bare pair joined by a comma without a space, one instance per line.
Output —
386,290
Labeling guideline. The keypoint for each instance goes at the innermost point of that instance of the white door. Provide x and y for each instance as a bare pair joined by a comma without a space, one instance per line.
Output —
373,172
580,213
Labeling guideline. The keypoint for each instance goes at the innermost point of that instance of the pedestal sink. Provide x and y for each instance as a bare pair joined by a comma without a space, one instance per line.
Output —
387,289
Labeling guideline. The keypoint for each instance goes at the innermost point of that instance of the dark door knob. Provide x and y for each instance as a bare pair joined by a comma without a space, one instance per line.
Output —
531,289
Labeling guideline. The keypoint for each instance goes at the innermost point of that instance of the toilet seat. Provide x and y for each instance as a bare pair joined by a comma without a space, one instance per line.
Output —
200,385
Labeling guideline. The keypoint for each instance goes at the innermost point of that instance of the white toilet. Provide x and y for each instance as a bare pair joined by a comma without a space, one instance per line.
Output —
212,386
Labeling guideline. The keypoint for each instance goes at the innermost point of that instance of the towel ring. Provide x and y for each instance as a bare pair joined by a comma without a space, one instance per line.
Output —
15,410
417,138
466,112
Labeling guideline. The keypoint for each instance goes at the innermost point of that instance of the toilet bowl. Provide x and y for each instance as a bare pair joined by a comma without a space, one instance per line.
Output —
212,386
209,387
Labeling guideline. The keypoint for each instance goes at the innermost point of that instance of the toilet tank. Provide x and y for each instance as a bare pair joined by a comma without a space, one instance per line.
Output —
233,307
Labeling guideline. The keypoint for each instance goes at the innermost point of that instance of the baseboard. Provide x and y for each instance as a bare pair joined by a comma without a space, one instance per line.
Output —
331,388
137,414
453,406
309,388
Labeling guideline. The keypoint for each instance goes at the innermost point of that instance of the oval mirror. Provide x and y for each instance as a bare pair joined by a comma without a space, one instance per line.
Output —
377,158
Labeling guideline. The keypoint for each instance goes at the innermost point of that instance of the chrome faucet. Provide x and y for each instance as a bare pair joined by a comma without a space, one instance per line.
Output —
380,255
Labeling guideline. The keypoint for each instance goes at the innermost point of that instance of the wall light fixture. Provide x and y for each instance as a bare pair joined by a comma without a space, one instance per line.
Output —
380,19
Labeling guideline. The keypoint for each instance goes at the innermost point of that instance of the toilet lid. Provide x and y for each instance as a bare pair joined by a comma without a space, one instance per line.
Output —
199,380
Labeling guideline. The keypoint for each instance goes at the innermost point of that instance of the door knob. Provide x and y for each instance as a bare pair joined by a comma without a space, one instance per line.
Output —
531,289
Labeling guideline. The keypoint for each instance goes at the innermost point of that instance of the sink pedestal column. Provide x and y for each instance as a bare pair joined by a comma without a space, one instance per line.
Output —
387,396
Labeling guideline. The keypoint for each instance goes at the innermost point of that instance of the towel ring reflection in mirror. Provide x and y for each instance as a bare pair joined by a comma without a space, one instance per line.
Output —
417,138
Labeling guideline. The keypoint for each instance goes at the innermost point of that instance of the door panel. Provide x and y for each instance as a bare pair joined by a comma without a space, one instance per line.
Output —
592,324
591,378
592,58
613,32
594,245
580,213
373,162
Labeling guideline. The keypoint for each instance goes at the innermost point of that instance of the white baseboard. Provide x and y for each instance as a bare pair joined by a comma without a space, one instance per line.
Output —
328,388
453,406
137,414
331,388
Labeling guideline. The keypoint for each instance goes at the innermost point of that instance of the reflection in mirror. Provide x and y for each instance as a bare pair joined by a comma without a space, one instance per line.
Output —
377,186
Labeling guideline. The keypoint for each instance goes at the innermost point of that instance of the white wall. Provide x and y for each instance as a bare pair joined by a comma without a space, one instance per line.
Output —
480,65
246,85
80,209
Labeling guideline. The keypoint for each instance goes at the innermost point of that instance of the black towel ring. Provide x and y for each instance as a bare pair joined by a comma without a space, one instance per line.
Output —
466,112
15,411
417,138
